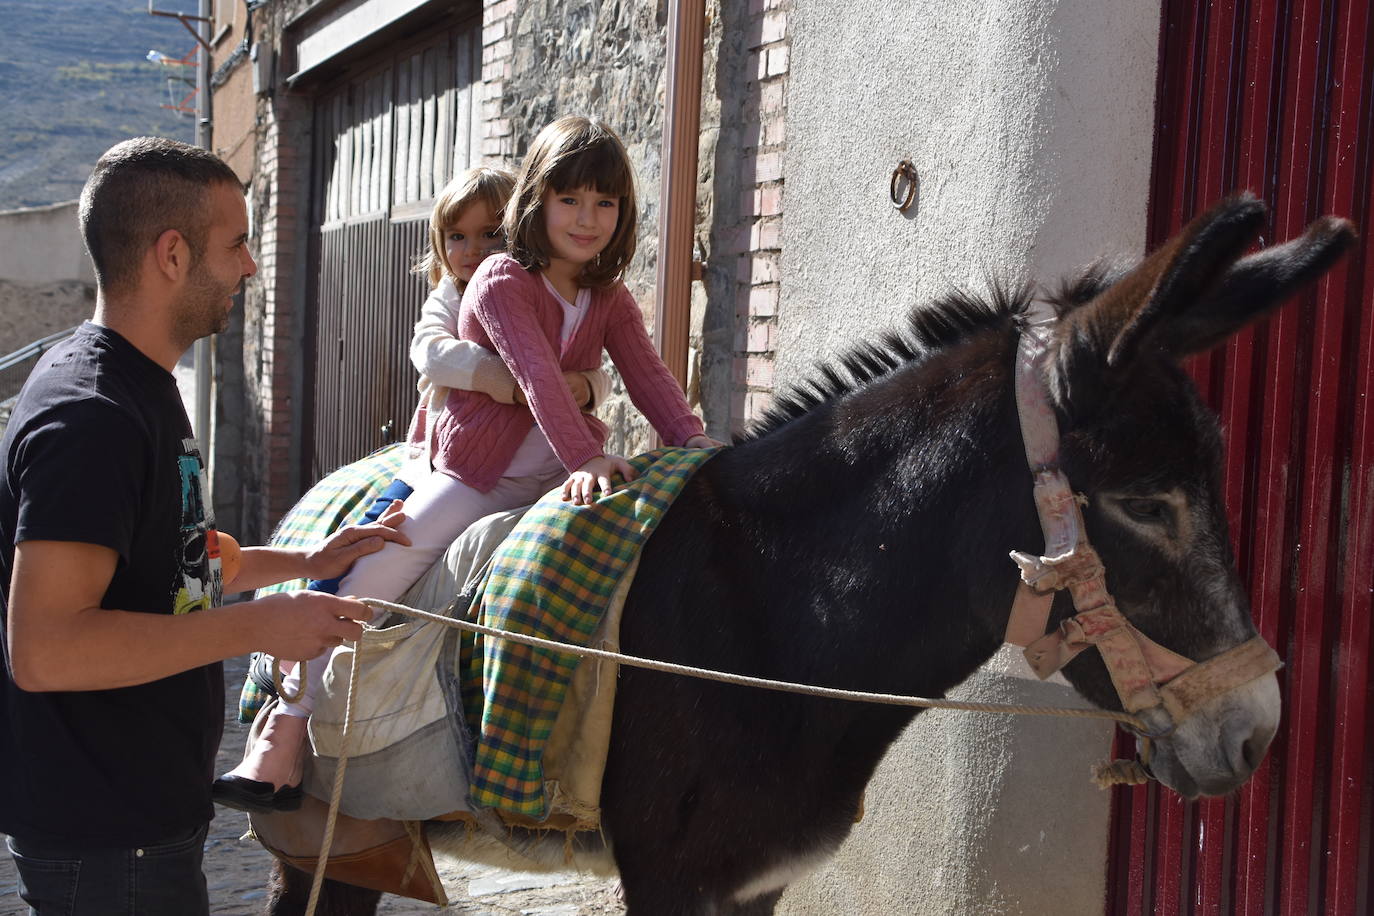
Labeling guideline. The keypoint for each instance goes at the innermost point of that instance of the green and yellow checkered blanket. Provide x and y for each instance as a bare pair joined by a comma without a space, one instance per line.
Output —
552,577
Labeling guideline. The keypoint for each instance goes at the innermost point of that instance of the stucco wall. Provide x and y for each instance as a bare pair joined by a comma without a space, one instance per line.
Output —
43,245
46,280
1030,124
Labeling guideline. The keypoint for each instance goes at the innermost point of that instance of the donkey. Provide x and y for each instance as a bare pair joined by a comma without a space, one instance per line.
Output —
858,538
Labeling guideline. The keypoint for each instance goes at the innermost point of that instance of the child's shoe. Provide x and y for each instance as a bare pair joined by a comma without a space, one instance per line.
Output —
269,778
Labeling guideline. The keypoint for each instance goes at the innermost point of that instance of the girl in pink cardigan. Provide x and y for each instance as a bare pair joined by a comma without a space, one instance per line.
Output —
548,307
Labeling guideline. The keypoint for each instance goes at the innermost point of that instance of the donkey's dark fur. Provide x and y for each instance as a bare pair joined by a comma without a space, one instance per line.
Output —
859,537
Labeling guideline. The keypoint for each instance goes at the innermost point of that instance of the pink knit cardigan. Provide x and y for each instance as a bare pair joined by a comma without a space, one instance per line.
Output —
509,309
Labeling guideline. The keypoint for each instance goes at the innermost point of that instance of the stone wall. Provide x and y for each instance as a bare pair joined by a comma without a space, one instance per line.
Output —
610,62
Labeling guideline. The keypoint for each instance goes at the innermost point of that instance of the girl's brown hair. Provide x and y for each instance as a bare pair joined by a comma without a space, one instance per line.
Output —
573,152
489,186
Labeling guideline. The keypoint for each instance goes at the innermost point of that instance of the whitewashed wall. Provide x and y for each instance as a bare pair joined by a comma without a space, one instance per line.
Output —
42,245
46,281
1030,123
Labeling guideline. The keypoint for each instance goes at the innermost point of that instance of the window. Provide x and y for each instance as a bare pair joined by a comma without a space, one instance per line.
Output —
225,15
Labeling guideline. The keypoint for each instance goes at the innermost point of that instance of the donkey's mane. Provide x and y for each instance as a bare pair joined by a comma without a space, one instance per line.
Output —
1088,283
930,328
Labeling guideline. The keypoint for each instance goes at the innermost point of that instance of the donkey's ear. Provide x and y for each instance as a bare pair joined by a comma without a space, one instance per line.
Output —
1257,285
1102,338
1182,271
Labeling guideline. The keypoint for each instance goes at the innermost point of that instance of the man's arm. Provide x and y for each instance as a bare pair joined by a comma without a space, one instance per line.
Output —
60,638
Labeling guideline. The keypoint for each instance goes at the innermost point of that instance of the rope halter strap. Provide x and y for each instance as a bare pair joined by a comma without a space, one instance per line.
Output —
1159,686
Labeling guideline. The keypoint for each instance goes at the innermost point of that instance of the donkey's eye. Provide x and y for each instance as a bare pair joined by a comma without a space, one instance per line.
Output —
1153,511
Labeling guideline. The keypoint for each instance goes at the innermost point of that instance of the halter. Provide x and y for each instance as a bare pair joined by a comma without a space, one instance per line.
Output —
1156,684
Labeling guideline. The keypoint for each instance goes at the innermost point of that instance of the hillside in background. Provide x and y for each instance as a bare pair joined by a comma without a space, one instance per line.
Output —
74,80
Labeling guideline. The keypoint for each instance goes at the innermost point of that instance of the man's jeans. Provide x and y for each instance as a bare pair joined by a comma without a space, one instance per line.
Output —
157,880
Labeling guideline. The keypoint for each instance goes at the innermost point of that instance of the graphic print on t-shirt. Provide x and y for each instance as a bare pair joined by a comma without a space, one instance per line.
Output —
200,582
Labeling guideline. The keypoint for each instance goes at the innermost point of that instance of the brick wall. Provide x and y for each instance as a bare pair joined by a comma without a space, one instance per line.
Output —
742,269
760,279
498,26
258,430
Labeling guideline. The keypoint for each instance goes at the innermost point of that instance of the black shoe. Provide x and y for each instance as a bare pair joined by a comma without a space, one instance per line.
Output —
255,795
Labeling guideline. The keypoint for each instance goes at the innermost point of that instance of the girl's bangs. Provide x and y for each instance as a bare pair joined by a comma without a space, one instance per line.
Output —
449,209
601,166
486,187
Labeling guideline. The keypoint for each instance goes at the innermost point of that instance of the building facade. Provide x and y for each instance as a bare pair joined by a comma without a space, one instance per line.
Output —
1043,134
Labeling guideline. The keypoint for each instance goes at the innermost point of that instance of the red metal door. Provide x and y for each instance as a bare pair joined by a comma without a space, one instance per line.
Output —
1277,96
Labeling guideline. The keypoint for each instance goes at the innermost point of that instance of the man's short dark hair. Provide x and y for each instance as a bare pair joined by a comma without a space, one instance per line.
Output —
139,189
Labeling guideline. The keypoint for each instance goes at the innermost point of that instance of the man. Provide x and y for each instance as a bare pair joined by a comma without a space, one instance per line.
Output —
111,708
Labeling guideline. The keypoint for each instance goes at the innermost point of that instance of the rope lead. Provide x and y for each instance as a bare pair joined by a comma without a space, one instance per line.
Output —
888,699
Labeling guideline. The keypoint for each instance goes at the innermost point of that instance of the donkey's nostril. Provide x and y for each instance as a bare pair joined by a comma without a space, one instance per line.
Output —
1253,750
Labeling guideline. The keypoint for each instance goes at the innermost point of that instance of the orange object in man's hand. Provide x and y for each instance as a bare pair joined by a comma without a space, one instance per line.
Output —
230,557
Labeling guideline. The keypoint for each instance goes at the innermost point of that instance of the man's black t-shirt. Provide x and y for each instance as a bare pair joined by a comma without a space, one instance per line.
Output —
99,451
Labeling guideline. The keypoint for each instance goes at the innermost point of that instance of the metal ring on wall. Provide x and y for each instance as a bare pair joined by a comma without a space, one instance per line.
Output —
904,170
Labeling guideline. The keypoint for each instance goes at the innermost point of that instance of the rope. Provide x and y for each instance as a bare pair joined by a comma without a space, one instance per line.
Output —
278,683
336,794
1105,774
833,693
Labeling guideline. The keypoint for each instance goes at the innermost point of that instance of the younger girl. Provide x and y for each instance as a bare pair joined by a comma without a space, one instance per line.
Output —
465,228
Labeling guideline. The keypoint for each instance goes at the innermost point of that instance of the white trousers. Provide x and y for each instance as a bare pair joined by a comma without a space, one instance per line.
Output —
440,509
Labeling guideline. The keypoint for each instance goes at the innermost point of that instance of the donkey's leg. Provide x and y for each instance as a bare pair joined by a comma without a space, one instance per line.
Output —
288,892
658,900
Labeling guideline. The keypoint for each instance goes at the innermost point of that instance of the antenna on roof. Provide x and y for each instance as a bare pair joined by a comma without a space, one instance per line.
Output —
186,104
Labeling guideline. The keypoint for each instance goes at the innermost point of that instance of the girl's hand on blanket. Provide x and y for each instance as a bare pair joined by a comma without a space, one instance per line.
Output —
702,442
583,483
300,625
339,551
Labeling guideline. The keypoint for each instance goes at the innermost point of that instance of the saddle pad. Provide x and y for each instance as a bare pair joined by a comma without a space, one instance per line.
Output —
553,577
409,750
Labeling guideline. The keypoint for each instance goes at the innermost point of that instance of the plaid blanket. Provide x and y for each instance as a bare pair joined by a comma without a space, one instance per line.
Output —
340,498
552,577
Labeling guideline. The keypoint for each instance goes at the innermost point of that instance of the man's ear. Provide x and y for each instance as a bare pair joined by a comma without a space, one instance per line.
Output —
172,255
